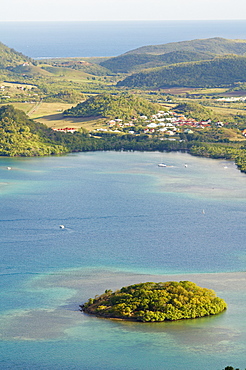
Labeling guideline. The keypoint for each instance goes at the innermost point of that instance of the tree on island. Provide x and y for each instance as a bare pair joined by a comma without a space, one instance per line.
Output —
156,302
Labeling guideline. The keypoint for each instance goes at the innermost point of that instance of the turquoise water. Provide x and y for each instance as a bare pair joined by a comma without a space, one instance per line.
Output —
126,220
90,39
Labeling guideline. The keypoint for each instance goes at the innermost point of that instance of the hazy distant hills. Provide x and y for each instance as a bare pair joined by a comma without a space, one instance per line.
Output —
216,45
178,52
197,63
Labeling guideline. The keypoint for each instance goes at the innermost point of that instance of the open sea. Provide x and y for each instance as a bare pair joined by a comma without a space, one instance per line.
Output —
95,39
126,221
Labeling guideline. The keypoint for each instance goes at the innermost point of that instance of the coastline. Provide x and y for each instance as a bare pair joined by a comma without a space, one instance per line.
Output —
136,34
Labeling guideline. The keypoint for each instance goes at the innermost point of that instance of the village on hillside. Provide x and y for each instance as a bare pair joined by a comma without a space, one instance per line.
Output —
164,123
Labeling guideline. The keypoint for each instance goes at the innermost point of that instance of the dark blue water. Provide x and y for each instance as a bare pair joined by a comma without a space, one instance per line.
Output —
126,221
87,39
121,210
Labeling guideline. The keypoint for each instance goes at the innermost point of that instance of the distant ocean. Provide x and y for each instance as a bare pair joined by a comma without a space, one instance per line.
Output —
88,39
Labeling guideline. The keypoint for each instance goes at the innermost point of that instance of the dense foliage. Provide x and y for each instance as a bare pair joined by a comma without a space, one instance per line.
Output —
217,72
113,106
156,302
133,62
20,136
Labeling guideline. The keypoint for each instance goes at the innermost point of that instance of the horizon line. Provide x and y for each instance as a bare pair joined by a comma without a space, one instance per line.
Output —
130,20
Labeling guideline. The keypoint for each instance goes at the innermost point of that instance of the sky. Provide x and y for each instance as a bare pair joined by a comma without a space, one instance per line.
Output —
121,10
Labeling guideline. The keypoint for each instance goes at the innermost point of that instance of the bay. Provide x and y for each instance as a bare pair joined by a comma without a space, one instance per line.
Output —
126,221
104,39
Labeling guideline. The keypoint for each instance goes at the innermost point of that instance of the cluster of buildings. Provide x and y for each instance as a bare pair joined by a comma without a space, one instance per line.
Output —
66,129
168,123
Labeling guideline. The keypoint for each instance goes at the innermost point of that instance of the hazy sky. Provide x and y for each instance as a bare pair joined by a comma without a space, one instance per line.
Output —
100,10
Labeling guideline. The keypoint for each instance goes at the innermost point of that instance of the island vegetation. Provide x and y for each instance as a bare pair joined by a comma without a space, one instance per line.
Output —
156,302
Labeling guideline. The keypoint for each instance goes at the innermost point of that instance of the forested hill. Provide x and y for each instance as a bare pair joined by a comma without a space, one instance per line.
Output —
113,106
20,136
176,52
9,58
136,62
13,63
217,72
216,45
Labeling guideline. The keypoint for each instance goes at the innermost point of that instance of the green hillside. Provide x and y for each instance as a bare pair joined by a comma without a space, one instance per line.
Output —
16,64
197,111
216,45
13,63
20,136
177,52
113,106
222,71
76,64
135,62
9,58
29,70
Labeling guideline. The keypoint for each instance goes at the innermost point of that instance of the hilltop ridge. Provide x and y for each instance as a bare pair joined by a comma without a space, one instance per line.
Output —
216,45
177,52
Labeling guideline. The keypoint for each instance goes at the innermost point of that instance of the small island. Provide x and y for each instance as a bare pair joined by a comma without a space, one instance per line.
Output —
150,301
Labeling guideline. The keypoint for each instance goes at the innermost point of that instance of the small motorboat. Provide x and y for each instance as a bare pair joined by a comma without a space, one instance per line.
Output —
62,227
162,165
